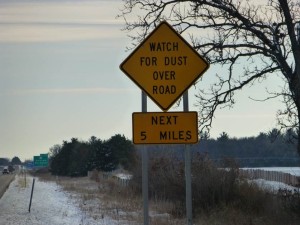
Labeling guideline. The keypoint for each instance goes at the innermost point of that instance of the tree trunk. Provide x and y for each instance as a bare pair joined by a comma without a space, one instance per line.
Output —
294,85
297,93
298,146
297,81
297,102
298,111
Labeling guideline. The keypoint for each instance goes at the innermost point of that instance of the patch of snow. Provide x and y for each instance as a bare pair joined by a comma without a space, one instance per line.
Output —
273,186
291,170
123,176
50,206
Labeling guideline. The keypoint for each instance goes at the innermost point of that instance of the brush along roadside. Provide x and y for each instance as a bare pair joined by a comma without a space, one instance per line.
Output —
219,197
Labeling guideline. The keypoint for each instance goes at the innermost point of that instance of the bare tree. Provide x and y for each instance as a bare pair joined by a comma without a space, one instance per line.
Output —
263,36
54,150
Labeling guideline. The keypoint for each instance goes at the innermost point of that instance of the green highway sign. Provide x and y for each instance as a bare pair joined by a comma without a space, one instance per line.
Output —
41,160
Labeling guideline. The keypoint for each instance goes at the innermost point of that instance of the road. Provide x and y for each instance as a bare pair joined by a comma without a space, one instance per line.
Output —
4,182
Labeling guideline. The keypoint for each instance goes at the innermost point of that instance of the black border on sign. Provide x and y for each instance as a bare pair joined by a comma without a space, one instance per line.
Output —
169,143
188,45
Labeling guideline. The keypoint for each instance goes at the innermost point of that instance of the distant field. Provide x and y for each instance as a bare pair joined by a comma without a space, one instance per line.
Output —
4,182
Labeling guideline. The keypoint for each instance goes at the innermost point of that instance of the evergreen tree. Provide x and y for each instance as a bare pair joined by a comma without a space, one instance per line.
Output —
16,161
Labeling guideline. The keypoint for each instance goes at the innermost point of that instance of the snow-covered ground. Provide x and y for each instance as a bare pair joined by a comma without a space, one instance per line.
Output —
274,186
50,206
291,170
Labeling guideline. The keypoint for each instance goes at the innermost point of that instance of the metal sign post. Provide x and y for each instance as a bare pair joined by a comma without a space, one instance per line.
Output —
188,161
164,66
31,194
145,169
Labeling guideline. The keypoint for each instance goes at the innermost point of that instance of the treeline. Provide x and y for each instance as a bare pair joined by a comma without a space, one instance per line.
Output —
6,162
272,148
76,158
266,149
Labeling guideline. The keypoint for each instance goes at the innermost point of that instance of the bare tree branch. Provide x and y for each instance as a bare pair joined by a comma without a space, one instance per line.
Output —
264,38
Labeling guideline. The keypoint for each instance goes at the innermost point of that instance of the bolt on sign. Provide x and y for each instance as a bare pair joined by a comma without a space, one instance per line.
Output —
165,128
164,65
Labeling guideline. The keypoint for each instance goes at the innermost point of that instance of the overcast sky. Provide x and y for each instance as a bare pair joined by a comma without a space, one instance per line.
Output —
60,78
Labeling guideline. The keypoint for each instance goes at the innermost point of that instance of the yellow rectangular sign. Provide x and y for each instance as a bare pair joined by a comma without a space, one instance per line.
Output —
165,128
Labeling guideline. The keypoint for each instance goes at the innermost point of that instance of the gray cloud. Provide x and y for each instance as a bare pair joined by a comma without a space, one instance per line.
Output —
64,91
48,21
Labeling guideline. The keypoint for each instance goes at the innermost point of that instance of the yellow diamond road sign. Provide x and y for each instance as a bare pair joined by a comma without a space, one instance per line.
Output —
164,65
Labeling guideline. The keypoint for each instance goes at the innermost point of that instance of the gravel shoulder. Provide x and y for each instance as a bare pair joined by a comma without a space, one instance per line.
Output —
5,181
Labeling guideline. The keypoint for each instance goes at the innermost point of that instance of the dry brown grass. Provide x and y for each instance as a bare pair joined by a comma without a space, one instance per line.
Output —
103,196
23,182
219,196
